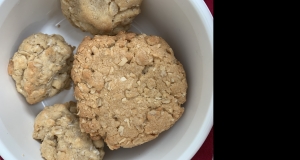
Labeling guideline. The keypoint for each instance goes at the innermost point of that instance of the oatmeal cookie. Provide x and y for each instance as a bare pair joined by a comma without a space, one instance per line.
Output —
41,67
101,16
58,128
129,88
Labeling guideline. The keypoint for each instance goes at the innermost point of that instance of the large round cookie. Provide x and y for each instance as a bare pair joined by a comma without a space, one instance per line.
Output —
129,88
41,67
58,128
101,16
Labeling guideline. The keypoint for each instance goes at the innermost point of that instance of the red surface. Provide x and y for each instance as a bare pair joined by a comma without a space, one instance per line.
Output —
206,150
210,5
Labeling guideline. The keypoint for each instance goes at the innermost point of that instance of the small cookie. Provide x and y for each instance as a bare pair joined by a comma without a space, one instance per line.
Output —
58,128
129,88
41,67
101,16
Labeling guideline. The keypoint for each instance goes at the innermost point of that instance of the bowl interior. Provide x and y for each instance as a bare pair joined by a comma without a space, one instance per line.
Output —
179,22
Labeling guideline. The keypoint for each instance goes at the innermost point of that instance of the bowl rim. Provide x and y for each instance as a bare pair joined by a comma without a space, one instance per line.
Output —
205,15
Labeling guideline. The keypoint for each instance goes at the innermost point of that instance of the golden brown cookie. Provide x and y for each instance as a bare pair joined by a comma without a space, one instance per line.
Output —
101,16
129,88
41,67
58,128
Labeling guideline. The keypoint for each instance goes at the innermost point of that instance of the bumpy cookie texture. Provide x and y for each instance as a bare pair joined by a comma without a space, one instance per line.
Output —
58,128
101,16
41,67
129,88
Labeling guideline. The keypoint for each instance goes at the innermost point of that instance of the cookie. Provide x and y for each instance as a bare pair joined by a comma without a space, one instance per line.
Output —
101,16
129,88
41,67
58,128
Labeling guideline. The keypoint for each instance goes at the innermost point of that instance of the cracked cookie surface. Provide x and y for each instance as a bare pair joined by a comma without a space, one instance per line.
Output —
101,16
41,67
58,128
129,88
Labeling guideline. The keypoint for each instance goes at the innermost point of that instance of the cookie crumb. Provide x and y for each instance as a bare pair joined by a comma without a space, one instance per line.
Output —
123,79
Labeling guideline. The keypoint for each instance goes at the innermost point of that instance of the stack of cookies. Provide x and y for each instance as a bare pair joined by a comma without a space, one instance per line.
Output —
129,87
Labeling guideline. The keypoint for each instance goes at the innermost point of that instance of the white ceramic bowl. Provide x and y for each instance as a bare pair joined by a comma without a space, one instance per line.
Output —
187,25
